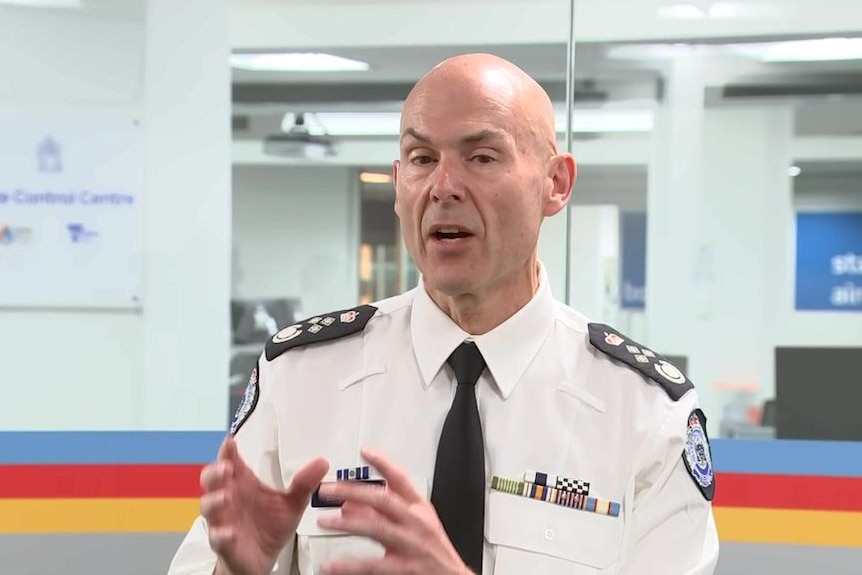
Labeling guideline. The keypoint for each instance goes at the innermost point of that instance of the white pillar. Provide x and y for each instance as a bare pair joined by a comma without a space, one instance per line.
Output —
553,253
594,260
719,221
186,326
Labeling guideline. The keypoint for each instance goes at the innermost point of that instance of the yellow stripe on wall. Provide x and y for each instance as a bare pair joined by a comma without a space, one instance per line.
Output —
97,515
735,524
789,526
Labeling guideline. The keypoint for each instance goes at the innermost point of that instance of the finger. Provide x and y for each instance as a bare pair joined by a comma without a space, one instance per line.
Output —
221,539
392,536
227,450
381,499
396,479
383,566
306,480
213,506
215,475
354,509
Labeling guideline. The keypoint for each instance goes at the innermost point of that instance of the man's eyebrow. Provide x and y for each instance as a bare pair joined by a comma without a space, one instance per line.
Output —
482,135
476,137
416,136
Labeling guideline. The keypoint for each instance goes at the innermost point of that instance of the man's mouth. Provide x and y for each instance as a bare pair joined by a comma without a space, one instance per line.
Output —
450,233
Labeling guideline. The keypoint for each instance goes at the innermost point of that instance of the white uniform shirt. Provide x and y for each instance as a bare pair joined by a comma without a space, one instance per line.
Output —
549,402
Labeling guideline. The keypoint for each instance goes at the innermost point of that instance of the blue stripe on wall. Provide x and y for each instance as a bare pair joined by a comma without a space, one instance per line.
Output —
788,457
780,457
103,447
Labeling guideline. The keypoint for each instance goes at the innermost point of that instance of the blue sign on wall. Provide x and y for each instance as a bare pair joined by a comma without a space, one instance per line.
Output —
829,261
633,261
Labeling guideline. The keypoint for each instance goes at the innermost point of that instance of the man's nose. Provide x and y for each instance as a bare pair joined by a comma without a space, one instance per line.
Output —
448,183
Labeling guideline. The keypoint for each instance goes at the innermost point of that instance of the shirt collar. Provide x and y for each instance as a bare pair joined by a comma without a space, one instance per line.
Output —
508,349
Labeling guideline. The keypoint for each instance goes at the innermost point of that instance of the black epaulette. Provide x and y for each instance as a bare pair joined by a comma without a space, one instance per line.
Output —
642,359
319,328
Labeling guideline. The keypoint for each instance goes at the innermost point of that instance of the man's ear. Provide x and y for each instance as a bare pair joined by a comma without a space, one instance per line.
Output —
563,171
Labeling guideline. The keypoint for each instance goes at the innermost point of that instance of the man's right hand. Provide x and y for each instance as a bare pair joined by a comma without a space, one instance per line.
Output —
249,522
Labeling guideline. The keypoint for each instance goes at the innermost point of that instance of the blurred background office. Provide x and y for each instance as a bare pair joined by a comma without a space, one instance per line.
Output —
179,180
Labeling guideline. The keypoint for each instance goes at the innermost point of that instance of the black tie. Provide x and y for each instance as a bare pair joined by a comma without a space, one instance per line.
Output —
458,492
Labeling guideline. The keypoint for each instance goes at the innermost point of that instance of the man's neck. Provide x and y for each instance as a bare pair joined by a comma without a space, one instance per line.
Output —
480,312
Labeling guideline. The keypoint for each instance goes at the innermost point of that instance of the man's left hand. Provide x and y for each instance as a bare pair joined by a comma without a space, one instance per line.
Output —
396,516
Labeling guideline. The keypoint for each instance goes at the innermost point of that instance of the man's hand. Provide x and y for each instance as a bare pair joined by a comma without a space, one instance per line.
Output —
249,523
396,516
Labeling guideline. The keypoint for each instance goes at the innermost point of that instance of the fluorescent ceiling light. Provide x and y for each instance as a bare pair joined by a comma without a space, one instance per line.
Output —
296,62
600,121
375,178
682,11
659,52
370,124
43,3
822,50
716,11
349,123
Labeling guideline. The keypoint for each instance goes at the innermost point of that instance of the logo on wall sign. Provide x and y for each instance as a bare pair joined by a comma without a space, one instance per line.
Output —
49,156
14,235
79,234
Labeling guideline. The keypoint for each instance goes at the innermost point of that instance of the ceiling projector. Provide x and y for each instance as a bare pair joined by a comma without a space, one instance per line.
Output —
298,143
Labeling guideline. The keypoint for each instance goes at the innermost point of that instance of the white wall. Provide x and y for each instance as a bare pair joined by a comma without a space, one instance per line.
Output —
296,234
76,369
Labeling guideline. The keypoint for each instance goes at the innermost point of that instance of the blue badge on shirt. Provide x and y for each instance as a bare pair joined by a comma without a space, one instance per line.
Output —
249,402
697,455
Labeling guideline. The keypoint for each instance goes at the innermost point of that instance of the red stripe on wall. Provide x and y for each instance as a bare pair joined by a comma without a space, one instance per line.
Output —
78,481
788,492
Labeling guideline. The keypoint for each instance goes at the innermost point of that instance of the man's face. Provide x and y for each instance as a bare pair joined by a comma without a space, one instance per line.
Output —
471,186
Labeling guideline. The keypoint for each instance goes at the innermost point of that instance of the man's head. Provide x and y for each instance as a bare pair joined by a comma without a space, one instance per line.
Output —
478,172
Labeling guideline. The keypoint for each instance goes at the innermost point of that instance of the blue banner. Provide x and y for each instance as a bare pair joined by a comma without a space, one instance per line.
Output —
829,261
633,261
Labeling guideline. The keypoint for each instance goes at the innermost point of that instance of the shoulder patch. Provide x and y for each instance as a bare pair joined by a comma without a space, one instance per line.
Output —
642,359
698,456
249,402
319,328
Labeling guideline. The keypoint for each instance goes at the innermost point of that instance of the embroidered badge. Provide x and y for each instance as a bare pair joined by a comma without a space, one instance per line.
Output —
613,339
249,402
697,455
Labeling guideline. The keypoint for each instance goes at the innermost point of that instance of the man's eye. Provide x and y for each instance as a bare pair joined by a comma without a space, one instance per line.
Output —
483,158
421,160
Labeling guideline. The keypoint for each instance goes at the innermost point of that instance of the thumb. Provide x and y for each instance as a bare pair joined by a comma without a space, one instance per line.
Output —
228,450
306,480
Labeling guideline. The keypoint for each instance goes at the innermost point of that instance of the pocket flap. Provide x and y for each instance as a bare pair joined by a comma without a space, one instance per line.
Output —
539,527
308,523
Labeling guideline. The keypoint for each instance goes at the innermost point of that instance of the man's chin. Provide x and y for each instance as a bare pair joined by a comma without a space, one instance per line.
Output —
451,284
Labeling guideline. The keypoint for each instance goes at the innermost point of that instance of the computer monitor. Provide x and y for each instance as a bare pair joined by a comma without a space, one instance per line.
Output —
818,393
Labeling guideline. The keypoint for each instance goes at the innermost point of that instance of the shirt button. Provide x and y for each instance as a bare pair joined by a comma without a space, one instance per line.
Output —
550,534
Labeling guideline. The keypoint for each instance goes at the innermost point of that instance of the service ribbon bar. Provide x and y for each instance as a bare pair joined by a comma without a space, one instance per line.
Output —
556,496
353,473
558,482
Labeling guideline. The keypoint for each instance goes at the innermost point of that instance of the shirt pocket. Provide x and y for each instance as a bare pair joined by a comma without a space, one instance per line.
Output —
316,545
542,538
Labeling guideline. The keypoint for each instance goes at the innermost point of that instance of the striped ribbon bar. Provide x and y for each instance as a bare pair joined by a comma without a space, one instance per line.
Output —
558,482
353,473
556,496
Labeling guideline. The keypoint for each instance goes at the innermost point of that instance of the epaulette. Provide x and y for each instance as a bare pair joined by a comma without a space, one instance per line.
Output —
319,328
642,359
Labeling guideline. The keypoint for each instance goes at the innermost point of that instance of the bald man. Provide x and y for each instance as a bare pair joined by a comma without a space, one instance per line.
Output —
473,424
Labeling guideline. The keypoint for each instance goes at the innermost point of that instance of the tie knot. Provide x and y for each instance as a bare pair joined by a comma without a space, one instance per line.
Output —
467,362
